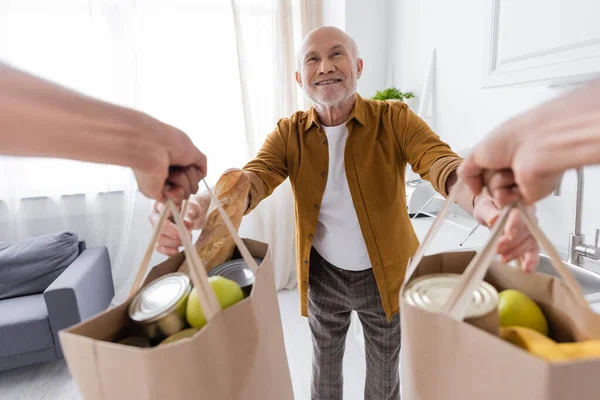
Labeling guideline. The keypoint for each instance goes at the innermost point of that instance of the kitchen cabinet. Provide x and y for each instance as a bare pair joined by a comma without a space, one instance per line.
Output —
541,42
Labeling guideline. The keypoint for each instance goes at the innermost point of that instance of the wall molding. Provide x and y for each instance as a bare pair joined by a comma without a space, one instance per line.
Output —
565,64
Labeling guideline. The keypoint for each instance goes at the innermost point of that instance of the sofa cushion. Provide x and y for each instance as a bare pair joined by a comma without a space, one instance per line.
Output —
24,325
31,265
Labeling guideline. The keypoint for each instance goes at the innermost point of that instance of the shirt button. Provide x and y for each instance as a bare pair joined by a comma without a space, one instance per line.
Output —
325,142
305,262
305,283
323,173
316,205
310,236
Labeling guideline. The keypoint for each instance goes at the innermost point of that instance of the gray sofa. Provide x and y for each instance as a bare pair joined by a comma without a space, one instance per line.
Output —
47,284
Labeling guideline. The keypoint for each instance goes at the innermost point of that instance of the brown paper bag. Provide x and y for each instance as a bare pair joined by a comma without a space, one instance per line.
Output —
446,358
239,354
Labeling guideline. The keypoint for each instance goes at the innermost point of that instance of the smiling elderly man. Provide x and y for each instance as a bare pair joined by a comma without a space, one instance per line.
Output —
346,158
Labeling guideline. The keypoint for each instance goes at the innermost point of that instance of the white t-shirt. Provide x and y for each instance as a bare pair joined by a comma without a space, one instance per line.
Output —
338,237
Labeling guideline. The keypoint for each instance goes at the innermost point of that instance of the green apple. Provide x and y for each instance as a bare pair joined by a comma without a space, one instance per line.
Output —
228,293
517,309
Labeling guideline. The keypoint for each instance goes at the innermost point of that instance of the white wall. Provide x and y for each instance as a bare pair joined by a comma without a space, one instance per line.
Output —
365,21
463,112
334,13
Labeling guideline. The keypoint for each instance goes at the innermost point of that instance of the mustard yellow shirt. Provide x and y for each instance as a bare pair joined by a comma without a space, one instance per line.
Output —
382,138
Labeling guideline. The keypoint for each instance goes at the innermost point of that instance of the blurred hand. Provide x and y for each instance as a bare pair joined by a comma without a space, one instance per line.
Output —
516,242
169,240
525,156
503,187
174,169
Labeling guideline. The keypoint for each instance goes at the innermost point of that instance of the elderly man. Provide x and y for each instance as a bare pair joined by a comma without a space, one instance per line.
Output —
346,158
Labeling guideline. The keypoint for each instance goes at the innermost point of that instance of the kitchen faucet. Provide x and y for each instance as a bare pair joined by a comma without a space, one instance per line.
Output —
577,249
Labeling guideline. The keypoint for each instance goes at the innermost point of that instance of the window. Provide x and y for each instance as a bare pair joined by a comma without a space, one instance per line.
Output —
176,62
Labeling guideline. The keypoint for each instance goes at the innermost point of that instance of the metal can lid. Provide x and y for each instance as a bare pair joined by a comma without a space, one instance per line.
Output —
237,270
431,292
159,297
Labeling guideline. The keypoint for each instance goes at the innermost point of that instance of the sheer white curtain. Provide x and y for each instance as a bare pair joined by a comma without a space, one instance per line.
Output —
85,46
221,71
270,92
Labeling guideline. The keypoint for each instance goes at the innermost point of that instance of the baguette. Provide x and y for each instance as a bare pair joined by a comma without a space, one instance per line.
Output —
215,244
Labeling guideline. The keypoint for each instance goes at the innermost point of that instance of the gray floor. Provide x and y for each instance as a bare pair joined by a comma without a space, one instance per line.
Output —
47,381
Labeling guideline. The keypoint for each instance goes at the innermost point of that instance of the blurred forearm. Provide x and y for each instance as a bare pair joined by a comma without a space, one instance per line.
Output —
41,119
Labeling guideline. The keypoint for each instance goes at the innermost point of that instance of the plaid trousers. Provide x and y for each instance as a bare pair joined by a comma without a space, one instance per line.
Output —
332,294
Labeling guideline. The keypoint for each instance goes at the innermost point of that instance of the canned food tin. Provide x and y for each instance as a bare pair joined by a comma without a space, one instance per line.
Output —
238,271
431,292
160,307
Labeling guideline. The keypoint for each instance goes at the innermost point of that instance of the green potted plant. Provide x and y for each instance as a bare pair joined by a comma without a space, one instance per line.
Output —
392,94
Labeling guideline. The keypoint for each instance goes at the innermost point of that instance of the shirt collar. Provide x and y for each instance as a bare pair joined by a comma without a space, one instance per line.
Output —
358,113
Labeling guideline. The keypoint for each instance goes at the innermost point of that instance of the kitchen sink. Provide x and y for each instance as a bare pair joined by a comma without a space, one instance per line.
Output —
589,281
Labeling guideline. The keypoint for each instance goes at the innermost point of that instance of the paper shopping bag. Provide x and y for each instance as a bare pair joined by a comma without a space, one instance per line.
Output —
444,357
238,354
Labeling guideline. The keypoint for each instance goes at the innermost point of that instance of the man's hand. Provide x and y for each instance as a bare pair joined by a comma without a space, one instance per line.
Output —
516,241
532,150
169,240
503,187
175,167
